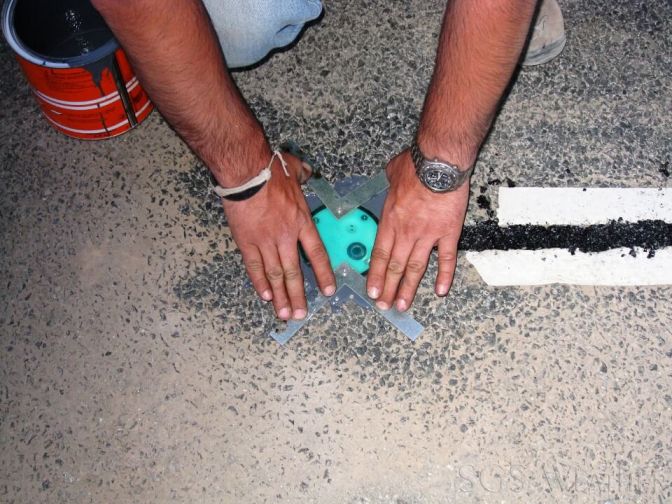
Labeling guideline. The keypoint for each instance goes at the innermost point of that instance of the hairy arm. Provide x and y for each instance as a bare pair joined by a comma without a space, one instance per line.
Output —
175,53
479,46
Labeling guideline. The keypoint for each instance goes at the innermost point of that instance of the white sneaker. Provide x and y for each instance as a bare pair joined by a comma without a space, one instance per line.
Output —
548,37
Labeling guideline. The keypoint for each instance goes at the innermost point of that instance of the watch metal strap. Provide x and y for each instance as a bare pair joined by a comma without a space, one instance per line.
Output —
416,156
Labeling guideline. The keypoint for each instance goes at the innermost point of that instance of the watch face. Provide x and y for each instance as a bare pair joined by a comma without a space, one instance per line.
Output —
439,178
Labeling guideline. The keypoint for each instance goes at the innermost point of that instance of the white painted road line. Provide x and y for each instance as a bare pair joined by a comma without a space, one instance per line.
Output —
578,206
549,266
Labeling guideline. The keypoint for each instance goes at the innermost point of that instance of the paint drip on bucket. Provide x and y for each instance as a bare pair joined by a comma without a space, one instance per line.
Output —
80,76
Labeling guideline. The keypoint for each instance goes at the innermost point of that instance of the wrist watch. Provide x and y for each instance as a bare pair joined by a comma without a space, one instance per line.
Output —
438,176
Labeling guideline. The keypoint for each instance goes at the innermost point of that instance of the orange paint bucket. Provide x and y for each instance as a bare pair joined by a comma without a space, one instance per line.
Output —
80,77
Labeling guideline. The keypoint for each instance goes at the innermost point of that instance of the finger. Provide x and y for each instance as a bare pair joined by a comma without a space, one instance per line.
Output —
319,260
447,262
396,268
276,277
380,257
255,270
289,258
415,270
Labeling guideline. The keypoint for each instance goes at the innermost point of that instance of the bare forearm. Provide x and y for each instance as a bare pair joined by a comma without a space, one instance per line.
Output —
480,43
175,52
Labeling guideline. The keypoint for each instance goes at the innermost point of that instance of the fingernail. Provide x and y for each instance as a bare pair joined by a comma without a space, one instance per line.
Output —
442,290
382,305
299,314
329,290
374,293
284,313
266,295
401,305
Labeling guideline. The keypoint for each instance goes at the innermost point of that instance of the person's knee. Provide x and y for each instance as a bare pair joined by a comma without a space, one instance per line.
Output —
249,30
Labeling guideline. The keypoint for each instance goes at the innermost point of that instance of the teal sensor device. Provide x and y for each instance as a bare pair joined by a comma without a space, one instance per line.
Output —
349,239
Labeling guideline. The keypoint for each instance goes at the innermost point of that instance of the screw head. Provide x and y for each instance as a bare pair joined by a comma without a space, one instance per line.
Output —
356,251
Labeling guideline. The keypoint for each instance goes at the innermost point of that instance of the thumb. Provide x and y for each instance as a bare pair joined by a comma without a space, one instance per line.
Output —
297,167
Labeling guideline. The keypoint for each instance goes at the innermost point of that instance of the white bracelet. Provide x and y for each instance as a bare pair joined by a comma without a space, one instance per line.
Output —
263,177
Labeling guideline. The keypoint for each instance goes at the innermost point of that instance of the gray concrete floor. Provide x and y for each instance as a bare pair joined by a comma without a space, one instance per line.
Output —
134,365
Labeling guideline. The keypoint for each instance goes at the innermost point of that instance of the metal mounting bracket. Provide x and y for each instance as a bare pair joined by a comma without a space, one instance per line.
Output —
351,286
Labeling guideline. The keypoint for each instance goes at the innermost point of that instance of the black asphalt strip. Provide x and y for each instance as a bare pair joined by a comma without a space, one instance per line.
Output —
488,235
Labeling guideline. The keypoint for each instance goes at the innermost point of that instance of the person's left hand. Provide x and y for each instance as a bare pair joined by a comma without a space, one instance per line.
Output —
414,221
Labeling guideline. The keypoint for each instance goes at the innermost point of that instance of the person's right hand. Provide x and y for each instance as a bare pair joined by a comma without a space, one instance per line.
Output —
267,228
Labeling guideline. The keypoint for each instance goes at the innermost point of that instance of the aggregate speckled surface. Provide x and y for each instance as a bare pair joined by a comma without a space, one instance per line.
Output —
134,365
